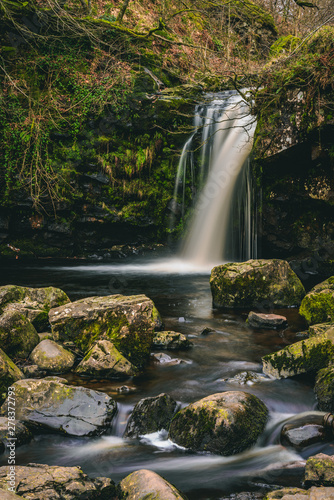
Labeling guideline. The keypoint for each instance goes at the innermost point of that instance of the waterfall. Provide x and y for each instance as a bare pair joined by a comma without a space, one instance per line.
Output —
222,226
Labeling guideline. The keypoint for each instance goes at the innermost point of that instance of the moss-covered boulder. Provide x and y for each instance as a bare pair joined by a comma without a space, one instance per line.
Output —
319,470
52,357
128,322
318,305
319,329
103,360
170,340
225,423
145,484
324,389
18,336
34,303
304,356
9,373
21,434
151,415
53,405
255,283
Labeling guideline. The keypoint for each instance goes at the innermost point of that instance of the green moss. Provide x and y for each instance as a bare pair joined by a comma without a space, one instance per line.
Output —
284,45
318,305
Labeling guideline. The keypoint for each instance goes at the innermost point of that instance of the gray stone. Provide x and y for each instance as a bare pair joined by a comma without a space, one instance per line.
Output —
9,373
302,436
170,340
18,336
165,359
21,434
32,371
246,378
146,484
52,357
267,321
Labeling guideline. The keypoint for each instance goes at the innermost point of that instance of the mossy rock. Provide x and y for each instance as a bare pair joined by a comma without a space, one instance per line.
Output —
52,357
255,284
308,355
148,485
319,471
324,389
319,329
22,434
9,373
288,494
18,336
284,46
170,340
225,423
318,305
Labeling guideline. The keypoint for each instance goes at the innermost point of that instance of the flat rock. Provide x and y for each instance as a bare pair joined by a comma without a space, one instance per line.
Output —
268,321
18,336
300,437
146,484
9,373
52,357
170,340
318,305
53,405
319,470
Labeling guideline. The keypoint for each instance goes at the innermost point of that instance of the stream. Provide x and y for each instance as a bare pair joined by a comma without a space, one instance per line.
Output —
183,299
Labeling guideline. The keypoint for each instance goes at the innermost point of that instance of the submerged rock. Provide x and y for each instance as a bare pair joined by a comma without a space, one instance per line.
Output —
319,471
151,415
52,357
324,389
145,484
304,356
246,378
127,322
21,434
302,436
255,283
44,482
165,359
50,404
225,423
268,321
18,336
103,360
318,305
170,340
9,373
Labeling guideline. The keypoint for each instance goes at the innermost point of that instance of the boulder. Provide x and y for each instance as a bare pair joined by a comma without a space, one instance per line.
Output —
225,423
151,415
33,303
9,495
44,482
127,322
300,437
246,378
32,371
267,321
319,470
9,373
103,360
324,389
318,305
319,329
52,357
146,484
170,340
164,359
21,434
18,336
304,356
299,494
52,405
255,283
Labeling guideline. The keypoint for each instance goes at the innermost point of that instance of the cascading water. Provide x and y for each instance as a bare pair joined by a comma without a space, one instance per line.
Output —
223,224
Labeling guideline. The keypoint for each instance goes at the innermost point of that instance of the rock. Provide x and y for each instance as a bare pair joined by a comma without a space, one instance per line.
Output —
52,405
151,415
18,336
324,389
304,356
207,330
21,434
299,494
128,322
246,378
146,484
319,470
8,495
32,371
225,423
33,303
302,436
52,357
255,283
318,305
44,482
103,360
9,373
165,359
244,495
286,474
170,340
268,321
319,329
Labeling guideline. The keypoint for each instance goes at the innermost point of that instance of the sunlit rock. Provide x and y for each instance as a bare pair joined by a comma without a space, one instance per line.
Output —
144,484
318,305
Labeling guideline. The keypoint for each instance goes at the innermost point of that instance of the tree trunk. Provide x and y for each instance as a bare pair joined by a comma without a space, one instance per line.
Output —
122,11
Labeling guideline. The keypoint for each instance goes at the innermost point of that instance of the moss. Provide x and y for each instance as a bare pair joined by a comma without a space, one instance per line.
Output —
284,45
318,305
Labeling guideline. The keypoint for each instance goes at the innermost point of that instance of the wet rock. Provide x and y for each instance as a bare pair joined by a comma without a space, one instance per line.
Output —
302,436
268,321
52,357
299,494
18,336
164,359
127,322
32,371
151,415
144,484
207,330
319,470
318,305
21,434
52,405
244,495
319,329
225,423
304,356
290,474
255,283
105,361
246,378
9,373
170,340
324,389
44,482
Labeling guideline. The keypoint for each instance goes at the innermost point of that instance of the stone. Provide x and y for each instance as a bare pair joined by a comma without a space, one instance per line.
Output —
255,283
52,357
103,360
267,321
246,378
8,495
53,405
9,373
225,423
44,482
164,359
324,389
22,434
151,415
304,356
319,329
32,371
286,474
145,484
18,336
127,322
299,494
302,436
319,470
318,305
170,340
